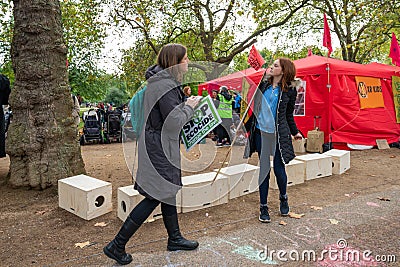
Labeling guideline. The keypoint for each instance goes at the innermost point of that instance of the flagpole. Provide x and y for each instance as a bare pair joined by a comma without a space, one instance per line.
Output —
238,127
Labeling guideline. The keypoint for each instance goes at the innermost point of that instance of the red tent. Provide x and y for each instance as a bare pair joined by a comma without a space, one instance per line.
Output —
233,81
342,119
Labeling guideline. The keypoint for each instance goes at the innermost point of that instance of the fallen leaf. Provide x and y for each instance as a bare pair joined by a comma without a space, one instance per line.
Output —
41,212
373,204
82,245
384,198
282,223
295,215
316,208
101,224
333,221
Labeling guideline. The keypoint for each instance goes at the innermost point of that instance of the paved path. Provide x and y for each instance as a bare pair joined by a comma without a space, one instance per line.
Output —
360,231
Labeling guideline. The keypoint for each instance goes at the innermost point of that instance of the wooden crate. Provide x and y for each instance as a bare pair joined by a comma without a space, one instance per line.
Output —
198,192
299,146
240,179
295,172
85,196
128,198
340,160
316,165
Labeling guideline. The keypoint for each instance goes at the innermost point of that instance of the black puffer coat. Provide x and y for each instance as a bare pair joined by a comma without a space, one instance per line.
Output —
159,162
285,124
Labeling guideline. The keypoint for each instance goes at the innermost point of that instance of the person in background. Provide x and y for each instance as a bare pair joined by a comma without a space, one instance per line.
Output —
214,97
158,177
237,102
5,90
270,128
187,91
75,110
225,112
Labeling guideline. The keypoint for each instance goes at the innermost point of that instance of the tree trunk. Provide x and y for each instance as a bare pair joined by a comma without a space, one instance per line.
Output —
42,141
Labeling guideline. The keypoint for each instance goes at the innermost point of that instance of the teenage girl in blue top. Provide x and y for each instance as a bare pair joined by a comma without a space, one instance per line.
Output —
270,129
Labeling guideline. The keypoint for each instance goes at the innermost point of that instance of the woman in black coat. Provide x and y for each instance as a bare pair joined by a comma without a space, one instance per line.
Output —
271,127
158,177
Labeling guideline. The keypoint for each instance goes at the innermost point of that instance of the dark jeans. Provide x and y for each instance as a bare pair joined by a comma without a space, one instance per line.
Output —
279,170
145,207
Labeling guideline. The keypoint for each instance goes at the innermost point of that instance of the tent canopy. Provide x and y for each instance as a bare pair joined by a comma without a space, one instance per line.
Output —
341,117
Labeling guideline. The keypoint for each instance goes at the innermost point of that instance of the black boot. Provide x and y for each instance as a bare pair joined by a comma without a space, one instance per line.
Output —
175,240
116,248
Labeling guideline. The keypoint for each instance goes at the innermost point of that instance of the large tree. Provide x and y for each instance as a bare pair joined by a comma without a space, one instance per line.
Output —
42,135
214,31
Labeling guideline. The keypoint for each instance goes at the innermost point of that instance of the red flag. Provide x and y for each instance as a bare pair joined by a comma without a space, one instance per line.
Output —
255,59
395,51
309,53
327,37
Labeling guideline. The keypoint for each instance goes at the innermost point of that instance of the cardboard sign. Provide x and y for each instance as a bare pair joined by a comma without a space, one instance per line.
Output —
205,119
369,92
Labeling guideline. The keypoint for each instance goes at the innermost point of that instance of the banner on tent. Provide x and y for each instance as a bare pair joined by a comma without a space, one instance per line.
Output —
396,96
205,119
299,106
369,92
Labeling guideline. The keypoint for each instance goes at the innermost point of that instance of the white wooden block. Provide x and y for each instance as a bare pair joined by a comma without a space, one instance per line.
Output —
316,165
295,173
240,179
128,198
85,196
198,192
340,160
299,146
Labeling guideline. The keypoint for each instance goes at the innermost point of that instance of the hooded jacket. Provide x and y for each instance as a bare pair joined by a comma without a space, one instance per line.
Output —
159,170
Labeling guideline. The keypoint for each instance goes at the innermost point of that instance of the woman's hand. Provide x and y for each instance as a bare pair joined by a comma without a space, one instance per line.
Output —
193,101
298,136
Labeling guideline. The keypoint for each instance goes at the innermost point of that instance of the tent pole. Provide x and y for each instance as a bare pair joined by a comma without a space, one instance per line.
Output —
330,100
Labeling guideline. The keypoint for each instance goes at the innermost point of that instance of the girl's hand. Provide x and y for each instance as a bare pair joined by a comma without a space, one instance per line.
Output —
298,136
193,101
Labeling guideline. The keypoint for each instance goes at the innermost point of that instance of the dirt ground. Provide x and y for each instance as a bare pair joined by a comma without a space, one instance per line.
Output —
34,231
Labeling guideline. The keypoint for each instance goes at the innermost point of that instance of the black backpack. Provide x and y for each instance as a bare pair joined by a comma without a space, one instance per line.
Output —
5,89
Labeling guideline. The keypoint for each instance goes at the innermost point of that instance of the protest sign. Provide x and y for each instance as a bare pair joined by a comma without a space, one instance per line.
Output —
205,119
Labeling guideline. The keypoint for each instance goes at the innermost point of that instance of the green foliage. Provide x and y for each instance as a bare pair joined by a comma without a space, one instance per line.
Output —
83,32
91,86
6,26
362,28
240,62
84,36
213,31
116,96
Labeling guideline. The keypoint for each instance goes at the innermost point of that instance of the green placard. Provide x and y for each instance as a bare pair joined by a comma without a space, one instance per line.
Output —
205,119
